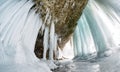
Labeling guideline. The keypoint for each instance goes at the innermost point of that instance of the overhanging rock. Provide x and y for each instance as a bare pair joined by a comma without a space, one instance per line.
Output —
64,14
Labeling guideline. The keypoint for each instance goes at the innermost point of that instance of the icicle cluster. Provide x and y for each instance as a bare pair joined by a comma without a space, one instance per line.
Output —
19,26
98,29
50,37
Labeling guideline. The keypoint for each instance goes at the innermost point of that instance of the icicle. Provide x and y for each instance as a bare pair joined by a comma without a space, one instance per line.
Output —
56,46
52,41
77,43
45,42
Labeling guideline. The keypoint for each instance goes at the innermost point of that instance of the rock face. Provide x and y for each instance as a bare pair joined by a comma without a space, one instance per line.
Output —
64,14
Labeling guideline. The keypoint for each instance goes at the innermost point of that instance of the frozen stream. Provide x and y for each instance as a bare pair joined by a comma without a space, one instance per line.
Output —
107,64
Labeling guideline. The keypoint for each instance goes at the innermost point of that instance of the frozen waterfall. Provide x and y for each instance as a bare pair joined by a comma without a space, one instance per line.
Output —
19,26
96,35
98,29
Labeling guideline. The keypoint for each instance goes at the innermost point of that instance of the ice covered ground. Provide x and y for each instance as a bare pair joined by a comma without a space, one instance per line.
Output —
106,64
39,66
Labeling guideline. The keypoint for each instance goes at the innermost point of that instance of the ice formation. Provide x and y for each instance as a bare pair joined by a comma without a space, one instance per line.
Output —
19,26
97,32
98,29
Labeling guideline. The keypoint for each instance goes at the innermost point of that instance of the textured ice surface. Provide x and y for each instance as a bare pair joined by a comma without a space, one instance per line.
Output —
39,66
106,64
98,29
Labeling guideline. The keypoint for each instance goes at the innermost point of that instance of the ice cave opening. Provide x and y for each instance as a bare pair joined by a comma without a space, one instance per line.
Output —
59,36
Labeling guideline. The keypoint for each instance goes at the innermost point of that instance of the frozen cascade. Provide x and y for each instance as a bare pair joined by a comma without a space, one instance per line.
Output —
97,32
98,29
19,26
